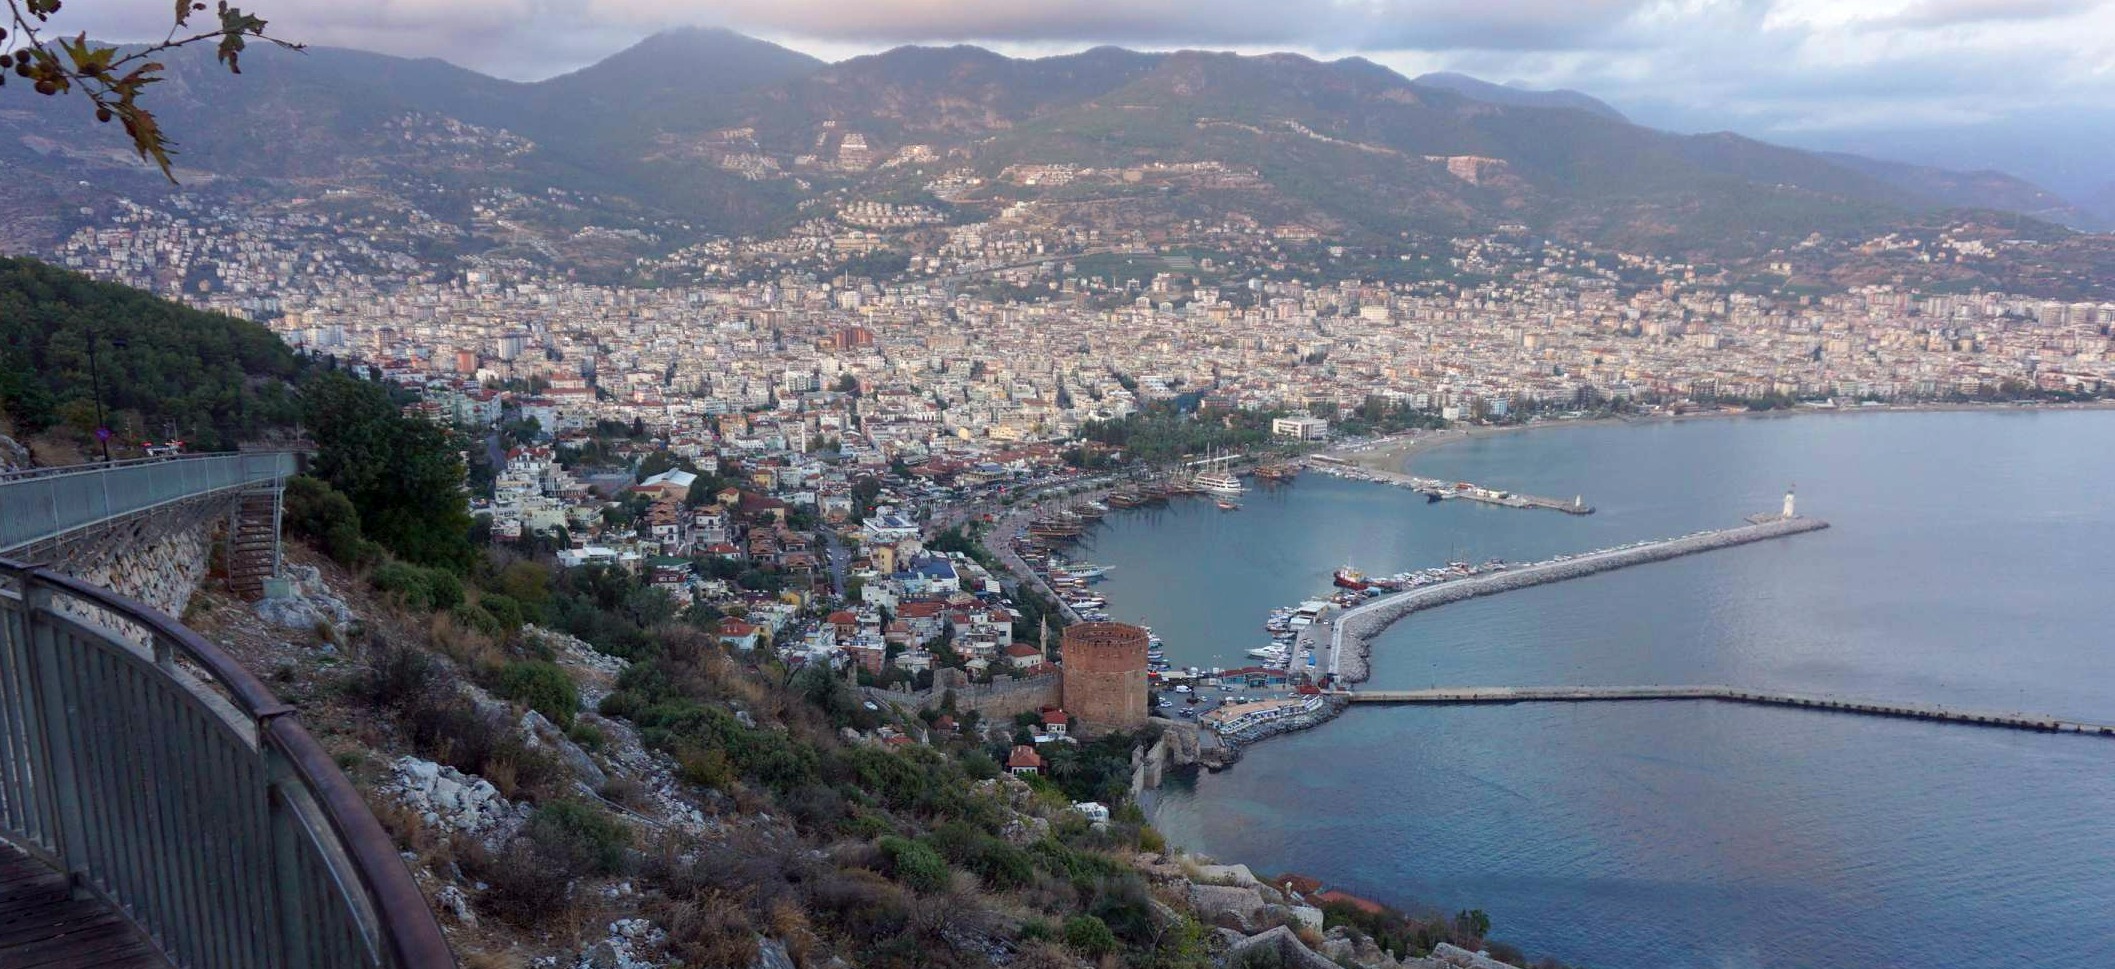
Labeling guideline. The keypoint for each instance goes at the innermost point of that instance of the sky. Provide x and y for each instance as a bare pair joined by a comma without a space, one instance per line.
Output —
1817,72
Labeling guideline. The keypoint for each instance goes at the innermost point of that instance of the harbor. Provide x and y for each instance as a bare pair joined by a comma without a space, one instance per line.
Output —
1319,649
1435,489
1569,815
1350,639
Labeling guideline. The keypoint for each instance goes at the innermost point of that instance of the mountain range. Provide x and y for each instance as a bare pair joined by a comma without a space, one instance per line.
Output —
709,131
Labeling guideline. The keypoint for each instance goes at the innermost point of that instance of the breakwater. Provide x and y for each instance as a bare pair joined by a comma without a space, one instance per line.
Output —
1632,694
1447,490
1351,639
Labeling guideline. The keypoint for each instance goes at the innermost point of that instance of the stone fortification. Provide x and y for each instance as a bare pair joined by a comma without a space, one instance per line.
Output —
1105,675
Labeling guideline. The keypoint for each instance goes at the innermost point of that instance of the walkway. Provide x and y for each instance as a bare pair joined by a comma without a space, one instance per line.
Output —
145,769
1727,694
44,504
42,925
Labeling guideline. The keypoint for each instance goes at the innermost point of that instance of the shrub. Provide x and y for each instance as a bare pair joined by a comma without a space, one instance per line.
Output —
586,735
999,864
314,510
420,588
399,675
860,903
543,687
915,864
1089,936
711,931
577,840
522,890
506,611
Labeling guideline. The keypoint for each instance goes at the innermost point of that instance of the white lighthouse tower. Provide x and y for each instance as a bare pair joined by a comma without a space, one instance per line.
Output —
1789,513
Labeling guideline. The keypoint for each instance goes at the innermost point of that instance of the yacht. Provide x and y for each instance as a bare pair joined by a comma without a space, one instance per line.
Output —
1219,483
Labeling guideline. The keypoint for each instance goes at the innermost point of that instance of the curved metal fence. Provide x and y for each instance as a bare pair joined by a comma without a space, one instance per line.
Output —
151,767
49,502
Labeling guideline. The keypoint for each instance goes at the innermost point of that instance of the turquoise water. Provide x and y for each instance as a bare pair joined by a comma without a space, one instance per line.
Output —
1972,563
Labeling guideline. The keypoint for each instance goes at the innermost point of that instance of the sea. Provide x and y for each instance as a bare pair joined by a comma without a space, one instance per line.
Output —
1971,563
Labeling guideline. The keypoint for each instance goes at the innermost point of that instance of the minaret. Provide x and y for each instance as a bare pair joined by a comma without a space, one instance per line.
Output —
1043,637
1789,513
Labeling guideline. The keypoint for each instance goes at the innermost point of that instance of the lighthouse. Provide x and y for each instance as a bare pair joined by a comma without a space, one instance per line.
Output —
1789,513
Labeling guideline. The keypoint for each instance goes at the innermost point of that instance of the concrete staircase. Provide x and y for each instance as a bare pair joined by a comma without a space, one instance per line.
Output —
253,543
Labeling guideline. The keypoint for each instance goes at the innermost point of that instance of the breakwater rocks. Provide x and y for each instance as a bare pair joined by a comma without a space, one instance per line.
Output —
1356,627
1228,749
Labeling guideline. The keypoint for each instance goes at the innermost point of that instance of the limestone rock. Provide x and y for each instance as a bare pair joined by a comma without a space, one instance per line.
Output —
454,901
541,733
772,954
1454,955
446,797
1227,875
1214,902
1026,830
13,456
1292,953
632,944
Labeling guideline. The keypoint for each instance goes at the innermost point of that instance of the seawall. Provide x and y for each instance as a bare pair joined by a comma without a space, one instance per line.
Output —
1351,641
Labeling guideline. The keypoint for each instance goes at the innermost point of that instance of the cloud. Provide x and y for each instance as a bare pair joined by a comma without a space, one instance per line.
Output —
1961,13
1760,66
1303,24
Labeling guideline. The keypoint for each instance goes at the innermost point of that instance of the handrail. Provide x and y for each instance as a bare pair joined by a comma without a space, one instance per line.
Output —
44,503
223,829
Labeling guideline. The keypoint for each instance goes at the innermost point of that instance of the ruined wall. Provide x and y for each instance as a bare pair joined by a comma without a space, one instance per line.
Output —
1002,699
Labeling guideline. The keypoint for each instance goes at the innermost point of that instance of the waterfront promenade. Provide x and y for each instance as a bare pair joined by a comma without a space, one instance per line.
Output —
1350,639
1727,694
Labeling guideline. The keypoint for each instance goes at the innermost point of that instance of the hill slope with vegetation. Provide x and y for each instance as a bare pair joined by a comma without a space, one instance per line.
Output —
211,379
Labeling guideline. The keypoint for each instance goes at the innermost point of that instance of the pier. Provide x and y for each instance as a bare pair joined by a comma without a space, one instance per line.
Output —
1355,625
1726,694
1447,490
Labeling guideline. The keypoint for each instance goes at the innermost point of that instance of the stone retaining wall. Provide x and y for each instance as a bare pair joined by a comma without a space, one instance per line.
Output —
159,559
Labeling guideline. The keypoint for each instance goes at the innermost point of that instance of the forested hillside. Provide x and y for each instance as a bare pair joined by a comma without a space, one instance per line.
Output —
212,379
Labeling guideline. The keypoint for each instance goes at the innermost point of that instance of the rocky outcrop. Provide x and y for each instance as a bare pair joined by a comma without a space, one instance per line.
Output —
1291,952
308,602
631,944
463,803
1448,954
1220,904
13,456
539,733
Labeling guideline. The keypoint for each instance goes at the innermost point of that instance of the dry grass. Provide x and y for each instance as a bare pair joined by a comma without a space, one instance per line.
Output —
493,960
711,930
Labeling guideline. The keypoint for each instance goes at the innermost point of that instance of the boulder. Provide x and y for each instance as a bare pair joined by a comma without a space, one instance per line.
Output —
1216,902
772,954
1292,953
541,733
1227,875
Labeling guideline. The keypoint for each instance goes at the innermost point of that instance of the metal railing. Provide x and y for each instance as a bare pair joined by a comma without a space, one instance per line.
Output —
160,775
49,502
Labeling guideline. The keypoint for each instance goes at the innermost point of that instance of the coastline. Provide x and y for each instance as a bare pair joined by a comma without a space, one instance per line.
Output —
1397,454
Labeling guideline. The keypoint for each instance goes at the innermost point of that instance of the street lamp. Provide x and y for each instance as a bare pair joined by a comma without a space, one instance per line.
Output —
95,378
